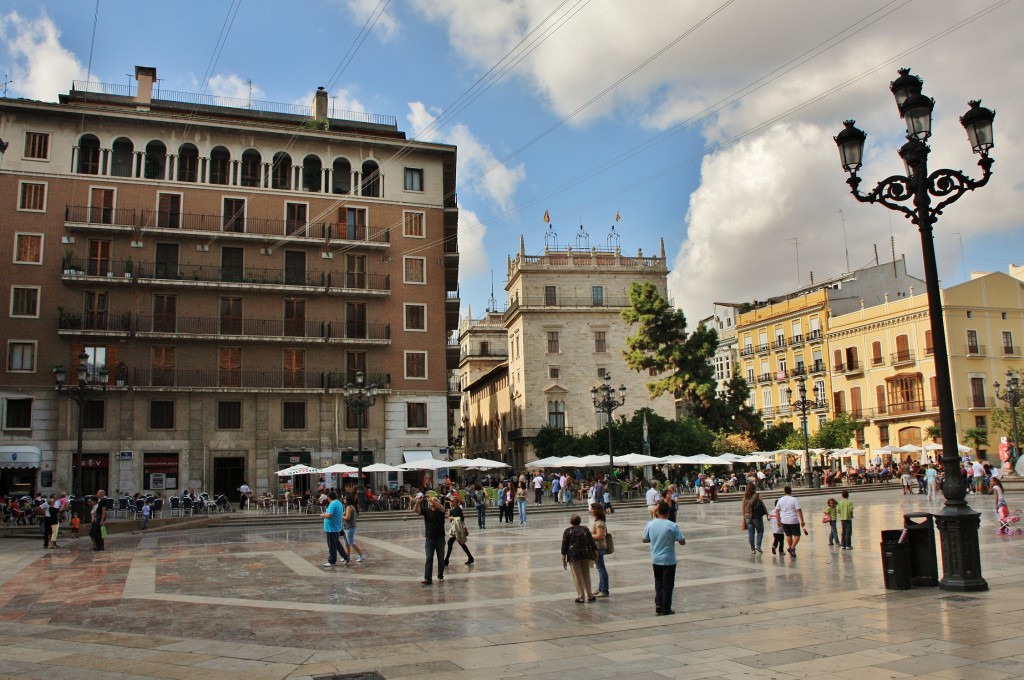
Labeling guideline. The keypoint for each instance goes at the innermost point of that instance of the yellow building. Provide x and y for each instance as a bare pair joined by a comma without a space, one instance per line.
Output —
883,372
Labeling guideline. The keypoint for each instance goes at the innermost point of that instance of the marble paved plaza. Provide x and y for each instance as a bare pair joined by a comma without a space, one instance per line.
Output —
245,602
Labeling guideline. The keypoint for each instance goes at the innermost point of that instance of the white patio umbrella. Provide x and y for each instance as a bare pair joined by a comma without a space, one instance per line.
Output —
425,464
477,464
757,458
550,461
734,457
938,447
339,468
299,469
637,459
381,467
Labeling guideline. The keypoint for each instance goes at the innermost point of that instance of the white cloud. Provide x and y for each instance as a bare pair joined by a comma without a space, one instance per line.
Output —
235,87
473,257
41,68
386,26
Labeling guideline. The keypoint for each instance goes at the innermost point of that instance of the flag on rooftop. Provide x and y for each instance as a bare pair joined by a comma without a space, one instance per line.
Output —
547,217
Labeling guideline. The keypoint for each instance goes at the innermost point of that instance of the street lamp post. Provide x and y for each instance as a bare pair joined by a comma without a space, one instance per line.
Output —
605,402
1012,396
803,405
958,524
90,385
359,398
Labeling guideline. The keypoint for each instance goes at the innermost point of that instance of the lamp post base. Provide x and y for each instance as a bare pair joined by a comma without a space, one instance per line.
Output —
961,556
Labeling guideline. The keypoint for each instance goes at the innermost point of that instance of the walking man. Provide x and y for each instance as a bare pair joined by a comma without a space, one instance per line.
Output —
332,516
433,531
538,488
844,511
663,534
96,530
653,497
791,517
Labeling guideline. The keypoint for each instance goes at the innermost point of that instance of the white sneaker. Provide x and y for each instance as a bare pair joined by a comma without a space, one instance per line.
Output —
328,565
360,558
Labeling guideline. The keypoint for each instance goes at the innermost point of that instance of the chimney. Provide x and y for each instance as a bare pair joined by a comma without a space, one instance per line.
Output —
145,76
320,104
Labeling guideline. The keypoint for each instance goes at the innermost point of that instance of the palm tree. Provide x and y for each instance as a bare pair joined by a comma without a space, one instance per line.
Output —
976,438
934,432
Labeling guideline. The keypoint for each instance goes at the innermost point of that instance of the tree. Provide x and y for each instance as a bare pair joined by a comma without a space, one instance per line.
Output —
835,433
547,441
662,343
934,432
775,437
976,437
734,443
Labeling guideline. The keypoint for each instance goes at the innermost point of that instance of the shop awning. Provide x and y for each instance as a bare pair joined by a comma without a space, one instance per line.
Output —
20,457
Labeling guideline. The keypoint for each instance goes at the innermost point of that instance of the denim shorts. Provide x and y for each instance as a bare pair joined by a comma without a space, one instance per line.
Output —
350,535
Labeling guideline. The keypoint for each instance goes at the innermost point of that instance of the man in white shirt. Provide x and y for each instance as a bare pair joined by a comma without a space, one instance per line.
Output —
652,497
978,475
538,487
791,517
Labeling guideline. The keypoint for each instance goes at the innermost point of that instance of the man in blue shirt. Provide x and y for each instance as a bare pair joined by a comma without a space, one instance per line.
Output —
332,530
663,534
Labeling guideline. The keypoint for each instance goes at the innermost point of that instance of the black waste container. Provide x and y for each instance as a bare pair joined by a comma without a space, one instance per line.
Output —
895,561
924,568
615,490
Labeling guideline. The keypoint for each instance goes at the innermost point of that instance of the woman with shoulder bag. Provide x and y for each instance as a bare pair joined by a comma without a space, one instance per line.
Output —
599,530
457,532
754,511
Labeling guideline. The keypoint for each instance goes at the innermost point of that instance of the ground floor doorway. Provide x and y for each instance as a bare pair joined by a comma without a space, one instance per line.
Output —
228,475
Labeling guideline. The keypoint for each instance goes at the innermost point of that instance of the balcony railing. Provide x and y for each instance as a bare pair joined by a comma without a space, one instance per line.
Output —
780,343
798,371
765,377
196,222
796,340
1011,350
814,335
975,350
818,367
848,367
170,271
878,361
763,347
747,350
900,358
246,379
173,324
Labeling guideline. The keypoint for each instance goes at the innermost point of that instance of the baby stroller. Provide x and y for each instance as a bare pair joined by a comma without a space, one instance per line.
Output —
1008,521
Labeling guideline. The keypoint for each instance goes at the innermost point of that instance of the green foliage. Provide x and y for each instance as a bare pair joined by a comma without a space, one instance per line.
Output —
546,441
734,443
775,437
934,432
1002,419
836,433
661,342
976,437
794,440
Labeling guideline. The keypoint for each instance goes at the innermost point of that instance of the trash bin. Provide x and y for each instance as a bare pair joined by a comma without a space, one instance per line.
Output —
615,490
895,560
924,568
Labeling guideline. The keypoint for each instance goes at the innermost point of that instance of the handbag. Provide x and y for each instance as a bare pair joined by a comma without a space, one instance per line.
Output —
744,526
609,544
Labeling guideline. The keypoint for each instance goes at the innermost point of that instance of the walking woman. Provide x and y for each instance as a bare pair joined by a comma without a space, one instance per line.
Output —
754,511
348,527
510,500
578,554
480,499
521,496
457,530
599,530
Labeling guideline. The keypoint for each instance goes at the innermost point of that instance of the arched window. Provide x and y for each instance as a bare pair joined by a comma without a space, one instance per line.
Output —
220,165
188,163
121,157
280,177
341,182
251,168
312,173
156,161
88,155
371,179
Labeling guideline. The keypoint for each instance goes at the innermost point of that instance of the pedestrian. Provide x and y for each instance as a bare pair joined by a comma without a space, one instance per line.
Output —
669,496
556,486
510,500
599,530
569,491
830,517
701,492
579,552
754,511
332,531
458,532
931,482
348,527
147,512
480,500
1002,510
791,517
433,533
844,511
663,535
501,504
778,537
538,487
98,530
521,502
652,497
906,477
244,492
52,524
76,524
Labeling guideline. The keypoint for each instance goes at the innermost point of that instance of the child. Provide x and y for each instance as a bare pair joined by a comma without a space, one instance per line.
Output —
844,511
147,510
76,523
778,538
830,517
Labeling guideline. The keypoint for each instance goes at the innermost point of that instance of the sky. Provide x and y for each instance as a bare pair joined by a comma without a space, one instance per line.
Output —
706,124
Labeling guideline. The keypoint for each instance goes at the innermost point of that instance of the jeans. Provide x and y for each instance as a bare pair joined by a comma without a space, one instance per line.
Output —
481,515
664,583
847,525
96,534
334,547
434,547
833,536
602,573
755,531
536,495
522,512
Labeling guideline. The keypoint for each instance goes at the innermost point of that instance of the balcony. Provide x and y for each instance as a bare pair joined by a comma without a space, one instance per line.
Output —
796,340
84,218
877,361
765,377
748,350
850,367
902,358
779,344
232,380
814,336
975,350
1011,351
798,371
902,409
217,328
763,347
819,405
196,275
818,367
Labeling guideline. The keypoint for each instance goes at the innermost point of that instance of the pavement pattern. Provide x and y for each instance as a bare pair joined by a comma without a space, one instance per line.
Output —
254,602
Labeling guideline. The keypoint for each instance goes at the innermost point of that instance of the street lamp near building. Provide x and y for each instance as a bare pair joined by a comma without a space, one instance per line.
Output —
360,397
90,384
1012,396
958,524
803,405
605,402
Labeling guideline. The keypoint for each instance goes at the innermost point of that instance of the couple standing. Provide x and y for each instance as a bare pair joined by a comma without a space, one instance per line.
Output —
338,520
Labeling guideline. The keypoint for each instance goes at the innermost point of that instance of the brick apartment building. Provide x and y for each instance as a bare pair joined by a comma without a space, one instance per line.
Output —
231,265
